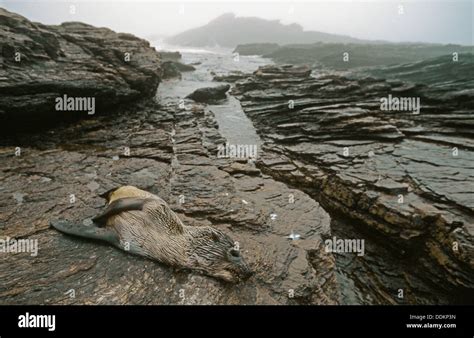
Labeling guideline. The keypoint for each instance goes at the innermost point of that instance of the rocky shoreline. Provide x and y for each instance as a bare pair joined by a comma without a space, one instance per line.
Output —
404,177
172,154
328,147
345,56
40,63
161,147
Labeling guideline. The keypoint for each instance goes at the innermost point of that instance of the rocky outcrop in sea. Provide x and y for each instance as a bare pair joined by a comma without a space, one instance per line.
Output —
209,94
344,56
229,30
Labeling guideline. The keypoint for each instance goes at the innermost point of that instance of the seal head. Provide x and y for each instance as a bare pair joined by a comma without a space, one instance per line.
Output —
215,254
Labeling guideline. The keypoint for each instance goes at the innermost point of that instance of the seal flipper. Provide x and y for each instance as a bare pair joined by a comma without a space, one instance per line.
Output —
103,234
118,206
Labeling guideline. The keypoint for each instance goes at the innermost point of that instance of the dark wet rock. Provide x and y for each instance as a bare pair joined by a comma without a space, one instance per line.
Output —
172,153
170,56
344,56
404,177
433,73
59,174
170,70
256,48
184,67
209,94
270,72
173,69
40,63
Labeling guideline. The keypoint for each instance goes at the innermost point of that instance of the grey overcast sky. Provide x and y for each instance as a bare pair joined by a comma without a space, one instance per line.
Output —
445,21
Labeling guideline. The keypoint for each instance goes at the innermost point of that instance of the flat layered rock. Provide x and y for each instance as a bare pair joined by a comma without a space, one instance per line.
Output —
169,154
59,174
405,176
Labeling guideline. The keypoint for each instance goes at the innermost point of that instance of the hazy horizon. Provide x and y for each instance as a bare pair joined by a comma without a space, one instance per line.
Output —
442,22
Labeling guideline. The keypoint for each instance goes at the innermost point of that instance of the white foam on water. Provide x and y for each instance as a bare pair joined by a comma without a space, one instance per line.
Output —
160,46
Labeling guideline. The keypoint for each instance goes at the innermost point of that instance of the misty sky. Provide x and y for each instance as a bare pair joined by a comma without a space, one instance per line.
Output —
445,21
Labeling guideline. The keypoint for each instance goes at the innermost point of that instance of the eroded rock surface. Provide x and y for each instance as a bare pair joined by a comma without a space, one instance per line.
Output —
58,173
408,178
40,63
172,153
343,56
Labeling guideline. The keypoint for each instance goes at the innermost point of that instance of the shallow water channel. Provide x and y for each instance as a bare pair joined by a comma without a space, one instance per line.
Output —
374,278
